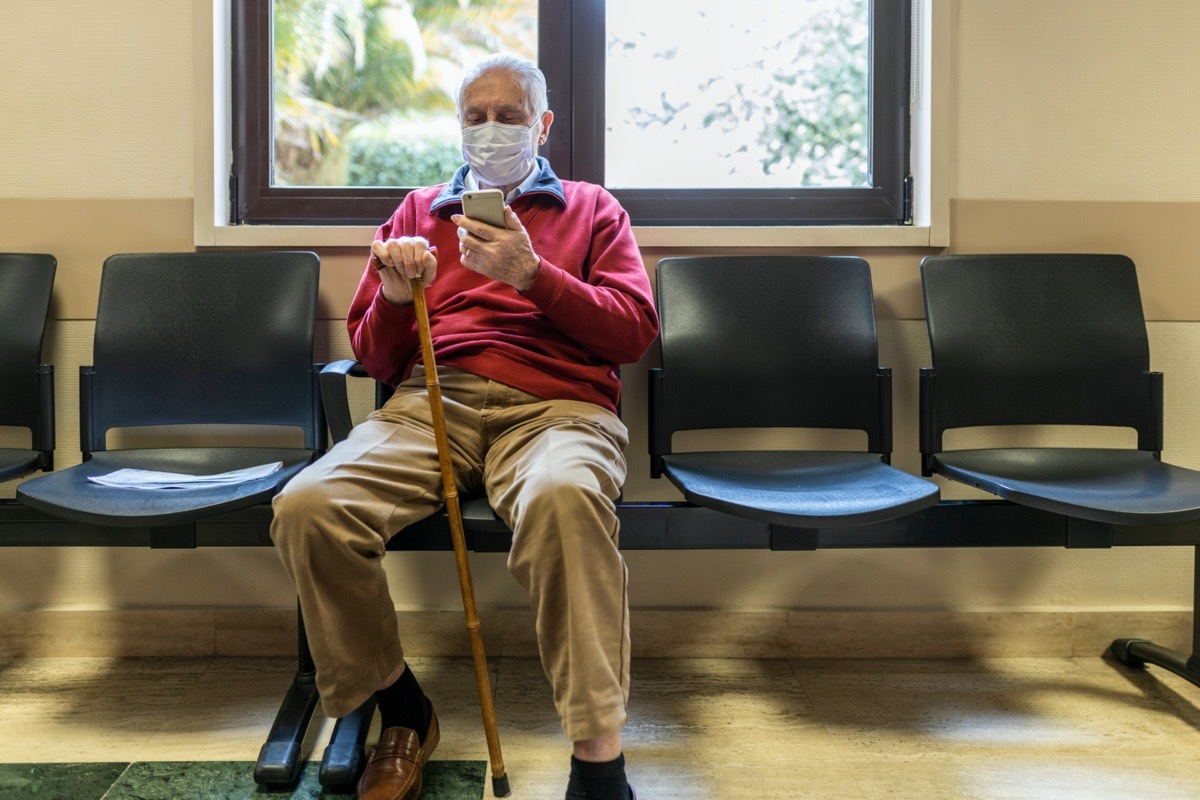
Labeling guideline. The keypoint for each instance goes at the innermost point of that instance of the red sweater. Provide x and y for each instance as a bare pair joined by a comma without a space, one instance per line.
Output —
589,310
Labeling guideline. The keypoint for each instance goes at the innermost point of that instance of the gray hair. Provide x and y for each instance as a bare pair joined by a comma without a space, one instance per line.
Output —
528,77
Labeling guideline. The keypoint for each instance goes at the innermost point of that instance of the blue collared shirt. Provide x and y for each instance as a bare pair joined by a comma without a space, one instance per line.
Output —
541,181
472,183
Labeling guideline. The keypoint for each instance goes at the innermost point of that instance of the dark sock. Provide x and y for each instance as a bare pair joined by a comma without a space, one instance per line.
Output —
404,705
598,780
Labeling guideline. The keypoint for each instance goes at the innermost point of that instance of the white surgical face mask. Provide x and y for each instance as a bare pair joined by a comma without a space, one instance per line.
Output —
499,154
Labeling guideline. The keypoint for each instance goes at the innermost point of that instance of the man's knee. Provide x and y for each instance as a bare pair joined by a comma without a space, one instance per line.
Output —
563,528
298,509
299,495
567,486
559,508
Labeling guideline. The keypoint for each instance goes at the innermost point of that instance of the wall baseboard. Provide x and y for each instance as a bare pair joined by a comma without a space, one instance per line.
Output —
657,633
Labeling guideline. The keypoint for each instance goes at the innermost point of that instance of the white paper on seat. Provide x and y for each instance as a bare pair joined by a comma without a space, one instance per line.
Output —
149,479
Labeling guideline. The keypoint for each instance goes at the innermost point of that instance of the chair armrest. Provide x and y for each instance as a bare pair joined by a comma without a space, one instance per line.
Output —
43,436
659,438
929,433
335,398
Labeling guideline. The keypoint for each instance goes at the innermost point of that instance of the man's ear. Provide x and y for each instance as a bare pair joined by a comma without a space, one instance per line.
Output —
547,119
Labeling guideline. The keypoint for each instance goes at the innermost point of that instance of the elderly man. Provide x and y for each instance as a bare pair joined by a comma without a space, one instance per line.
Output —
529,323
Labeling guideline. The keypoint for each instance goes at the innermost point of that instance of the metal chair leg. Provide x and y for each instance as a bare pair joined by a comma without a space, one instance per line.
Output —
1140,652
279,760
345,756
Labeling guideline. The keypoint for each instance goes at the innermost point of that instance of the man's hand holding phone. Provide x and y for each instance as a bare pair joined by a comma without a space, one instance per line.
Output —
493,242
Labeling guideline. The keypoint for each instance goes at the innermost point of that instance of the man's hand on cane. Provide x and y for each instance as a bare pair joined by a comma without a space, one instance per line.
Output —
399,261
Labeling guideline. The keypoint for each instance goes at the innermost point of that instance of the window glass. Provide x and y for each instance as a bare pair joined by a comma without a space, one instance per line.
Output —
364,90
737,98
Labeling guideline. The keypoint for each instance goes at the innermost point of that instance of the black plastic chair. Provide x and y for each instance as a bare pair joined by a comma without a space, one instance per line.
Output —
1055,339
218,339
26,384
777,342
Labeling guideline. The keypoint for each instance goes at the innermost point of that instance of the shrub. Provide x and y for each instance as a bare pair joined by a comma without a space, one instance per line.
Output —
377,158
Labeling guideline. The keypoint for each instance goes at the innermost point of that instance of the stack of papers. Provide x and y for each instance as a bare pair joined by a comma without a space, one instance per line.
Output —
149,479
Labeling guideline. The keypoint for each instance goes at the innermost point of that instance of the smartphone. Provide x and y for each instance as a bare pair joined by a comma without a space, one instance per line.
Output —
484,205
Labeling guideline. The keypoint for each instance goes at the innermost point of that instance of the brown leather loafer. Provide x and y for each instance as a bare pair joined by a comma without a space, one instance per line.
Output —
396,767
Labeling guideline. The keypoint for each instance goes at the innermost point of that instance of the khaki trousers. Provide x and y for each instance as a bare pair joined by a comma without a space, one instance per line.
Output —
552,469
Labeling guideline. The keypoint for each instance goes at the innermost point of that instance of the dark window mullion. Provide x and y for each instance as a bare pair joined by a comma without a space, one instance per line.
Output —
588,42
554,57
251,27
890,101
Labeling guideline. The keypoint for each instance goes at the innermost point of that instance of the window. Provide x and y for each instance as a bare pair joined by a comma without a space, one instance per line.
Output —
776,112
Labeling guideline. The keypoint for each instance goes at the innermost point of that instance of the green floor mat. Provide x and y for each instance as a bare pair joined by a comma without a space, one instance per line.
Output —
207,780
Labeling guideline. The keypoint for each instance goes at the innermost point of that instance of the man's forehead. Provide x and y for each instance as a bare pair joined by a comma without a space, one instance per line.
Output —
497,89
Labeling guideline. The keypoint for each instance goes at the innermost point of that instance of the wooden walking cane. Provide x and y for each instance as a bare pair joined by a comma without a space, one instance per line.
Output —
500,786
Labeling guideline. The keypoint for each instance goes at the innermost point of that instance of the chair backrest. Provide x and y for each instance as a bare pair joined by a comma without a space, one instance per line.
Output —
1053,339
768,342
26,284
204,338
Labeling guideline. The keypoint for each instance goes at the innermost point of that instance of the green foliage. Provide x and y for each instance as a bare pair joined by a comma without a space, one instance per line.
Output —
343,65
377,159
799,107
819,116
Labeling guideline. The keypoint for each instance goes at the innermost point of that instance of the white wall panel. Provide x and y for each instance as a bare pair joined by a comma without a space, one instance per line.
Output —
1077,100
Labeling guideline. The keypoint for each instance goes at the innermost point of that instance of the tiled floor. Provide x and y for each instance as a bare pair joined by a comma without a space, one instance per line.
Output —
721,729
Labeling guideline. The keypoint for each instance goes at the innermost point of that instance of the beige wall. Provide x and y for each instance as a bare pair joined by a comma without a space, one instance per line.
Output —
1073,127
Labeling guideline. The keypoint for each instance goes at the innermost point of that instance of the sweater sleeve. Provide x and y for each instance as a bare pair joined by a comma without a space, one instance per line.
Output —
611,310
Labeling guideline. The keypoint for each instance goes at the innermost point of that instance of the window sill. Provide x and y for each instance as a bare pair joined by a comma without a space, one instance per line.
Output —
779,236
306,236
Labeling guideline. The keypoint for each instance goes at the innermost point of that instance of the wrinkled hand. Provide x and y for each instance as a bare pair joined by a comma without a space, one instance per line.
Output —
401,260
502,254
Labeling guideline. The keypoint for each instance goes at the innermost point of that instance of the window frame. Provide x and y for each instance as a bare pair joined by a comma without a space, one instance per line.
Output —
574,68
931,157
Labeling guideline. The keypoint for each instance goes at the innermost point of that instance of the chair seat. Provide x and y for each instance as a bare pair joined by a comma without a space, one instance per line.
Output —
478,515
15,463
69,494
799,489
1124,487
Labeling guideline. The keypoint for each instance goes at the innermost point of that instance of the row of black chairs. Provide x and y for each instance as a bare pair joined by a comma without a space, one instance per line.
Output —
746,343
1016,340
